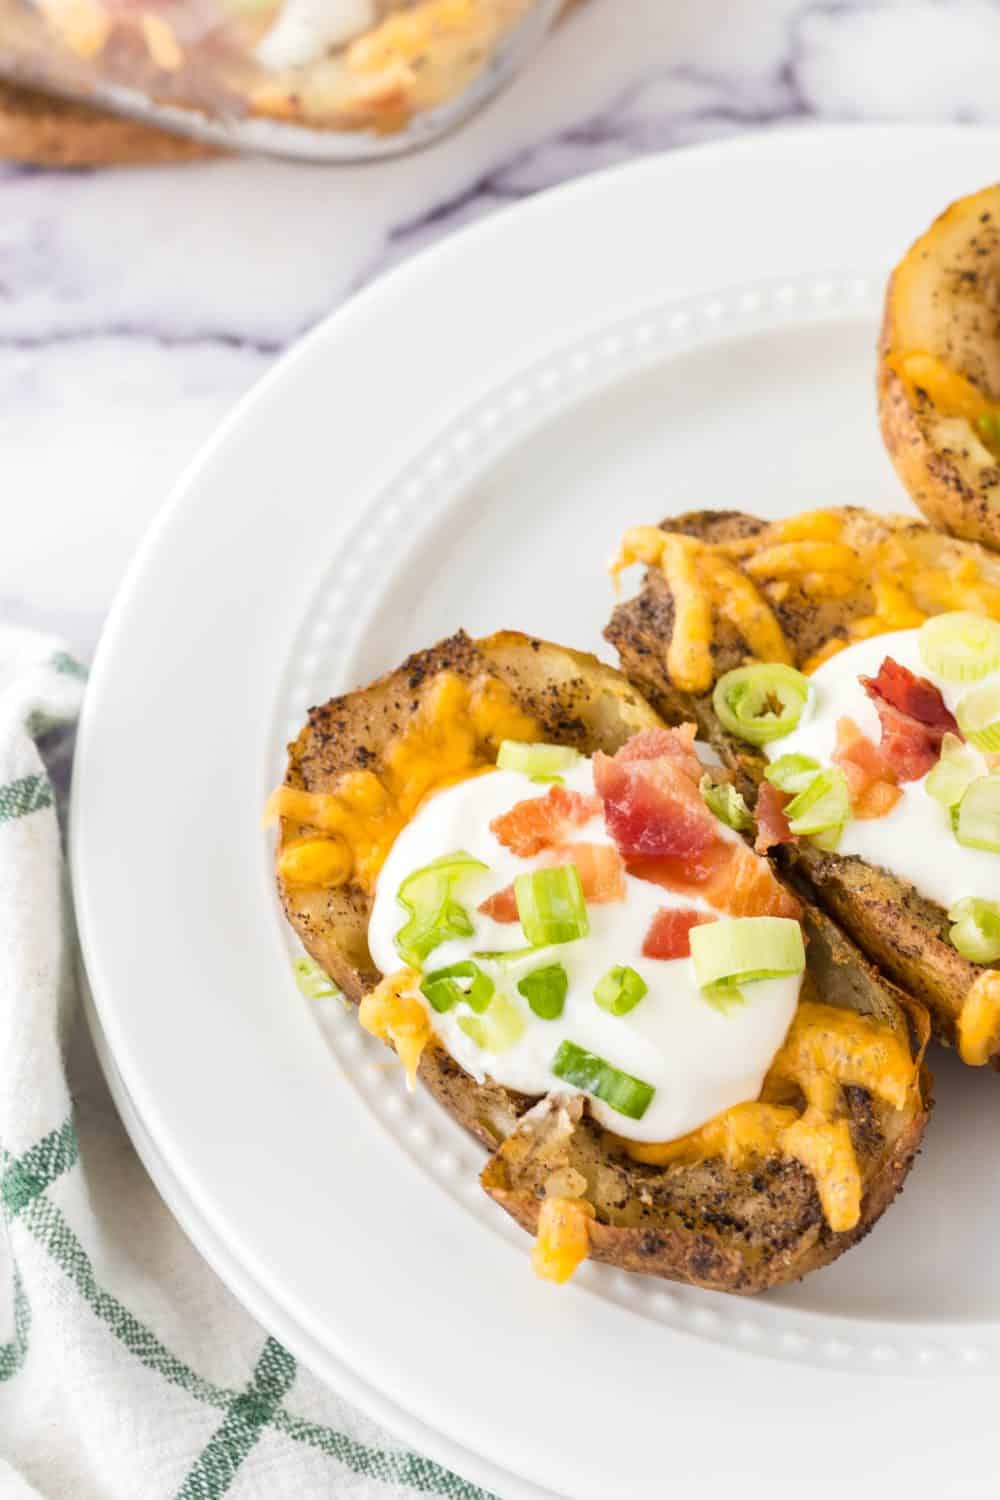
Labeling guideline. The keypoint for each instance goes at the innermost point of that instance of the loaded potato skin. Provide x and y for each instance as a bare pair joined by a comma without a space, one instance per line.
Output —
939,369
711,1218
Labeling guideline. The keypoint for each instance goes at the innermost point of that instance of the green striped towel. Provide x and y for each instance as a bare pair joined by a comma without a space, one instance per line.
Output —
127,1371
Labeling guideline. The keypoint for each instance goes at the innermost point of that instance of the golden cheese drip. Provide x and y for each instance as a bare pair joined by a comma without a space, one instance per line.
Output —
827,1048
455,733
979,1020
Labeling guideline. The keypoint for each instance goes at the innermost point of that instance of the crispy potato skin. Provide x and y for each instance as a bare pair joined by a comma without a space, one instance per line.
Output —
942,299
709,1224
906,935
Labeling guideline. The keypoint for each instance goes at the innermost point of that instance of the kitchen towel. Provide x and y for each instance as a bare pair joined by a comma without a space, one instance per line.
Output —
127,1370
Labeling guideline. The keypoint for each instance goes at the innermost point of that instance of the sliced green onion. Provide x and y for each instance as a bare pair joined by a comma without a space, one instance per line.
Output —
792,773
723,995
435,916
312,981
960,647
537,761
977,821
976,930
741,950
829,839
586,1071
958,767
545,991
443,990
825,803
508,956
762,702
550,905
620,990
978,716
726,803
498,1028
548,780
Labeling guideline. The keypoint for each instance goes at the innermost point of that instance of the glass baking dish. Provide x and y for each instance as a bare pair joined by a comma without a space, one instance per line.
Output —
324,79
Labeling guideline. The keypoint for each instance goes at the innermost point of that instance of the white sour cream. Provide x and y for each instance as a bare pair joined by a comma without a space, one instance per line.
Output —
306,29
699,1061
915,841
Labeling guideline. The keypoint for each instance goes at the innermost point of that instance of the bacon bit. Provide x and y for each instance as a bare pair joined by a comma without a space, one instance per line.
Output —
914,719
880,798
772,825
602,876
537,822
653,806
501,906
871,781
730,877
669,932
676,745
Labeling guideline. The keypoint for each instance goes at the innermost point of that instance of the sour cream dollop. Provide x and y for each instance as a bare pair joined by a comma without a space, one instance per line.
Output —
915,840
699,1061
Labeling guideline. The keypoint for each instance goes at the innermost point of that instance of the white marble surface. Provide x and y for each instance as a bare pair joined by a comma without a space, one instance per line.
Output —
136,306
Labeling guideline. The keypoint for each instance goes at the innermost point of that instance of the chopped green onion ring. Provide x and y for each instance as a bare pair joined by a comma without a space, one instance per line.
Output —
540,762
958,767
498,1029
442,989
435,916
726,803
620,990
312,981
762,702
975,933
792,773
977,818
825,803
978,716
545,990
740,950
960,646
593,1075
550,905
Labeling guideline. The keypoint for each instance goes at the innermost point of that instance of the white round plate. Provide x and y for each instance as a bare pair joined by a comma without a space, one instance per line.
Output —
463,445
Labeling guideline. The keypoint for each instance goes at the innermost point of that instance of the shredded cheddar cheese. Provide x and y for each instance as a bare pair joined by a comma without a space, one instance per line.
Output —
951,393
393,1013
455,733
827,1048
887,577
563,1237
979,1020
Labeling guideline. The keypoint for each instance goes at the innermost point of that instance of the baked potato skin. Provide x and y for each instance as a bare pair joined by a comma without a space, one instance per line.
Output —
942,299
904,934
708,1224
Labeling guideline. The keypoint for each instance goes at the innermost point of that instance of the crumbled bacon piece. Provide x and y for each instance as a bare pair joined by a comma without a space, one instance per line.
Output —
914,719
652,805
730,877
772,825
537,822
669,934
871,780
602,877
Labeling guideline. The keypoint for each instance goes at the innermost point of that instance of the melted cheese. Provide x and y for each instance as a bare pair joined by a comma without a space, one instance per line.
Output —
951,393
454,733
393,1013
563,1237
827,1048
979,1020
740,580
